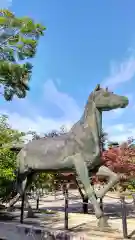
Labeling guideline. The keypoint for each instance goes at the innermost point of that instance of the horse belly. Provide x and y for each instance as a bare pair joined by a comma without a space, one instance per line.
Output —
47,156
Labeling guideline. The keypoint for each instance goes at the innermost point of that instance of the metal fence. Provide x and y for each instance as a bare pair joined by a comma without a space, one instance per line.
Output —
68,196
11,231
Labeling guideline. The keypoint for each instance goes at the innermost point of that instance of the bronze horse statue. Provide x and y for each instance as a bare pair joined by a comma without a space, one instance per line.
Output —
77,150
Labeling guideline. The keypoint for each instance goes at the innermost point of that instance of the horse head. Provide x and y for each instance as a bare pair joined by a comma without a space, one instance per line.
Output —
106,100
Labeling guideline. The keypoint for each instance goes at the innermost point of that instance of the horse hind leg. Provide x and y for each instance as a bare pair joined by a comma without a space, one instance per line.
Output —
22,189
30,213
113,180
23,182
82,171
20,186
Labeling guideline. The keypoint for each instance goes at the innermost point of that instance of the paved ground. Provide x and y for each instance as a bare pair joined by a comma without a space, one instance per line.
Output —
81,225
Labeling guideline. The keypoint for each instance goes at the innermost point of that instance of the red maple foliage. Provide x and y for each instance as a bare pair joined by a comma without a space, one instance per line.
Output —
120,160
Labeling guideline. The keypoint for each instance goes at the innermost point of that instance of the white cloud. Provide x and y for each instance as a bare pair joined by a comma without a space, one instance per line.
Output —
121,72
117,127
62,100
120,132
116,113
5,3
30,119
113,114
130,97
40,123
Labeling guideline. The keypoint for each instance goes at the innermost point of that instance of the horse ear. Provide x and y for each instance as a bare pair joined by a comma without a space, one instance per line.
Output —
97,87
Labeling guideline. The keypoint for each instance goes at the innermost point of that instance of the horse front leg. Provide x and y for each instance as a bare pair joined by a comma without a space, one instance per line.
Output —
82,171
30,178
113,180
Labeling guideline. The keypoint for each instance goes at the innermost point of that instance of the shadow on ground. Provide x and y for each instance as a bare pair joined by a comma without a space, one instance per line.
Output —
5,216
111,209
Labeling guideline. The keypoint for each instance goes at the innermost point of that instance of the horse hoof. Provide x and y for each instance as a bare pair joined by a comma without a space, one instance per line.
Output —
103,223
98,213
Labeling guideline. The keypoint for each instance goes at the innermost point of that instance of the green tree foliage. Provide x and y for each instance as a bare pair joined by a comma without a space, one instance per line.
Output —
8,136
43,181
18,42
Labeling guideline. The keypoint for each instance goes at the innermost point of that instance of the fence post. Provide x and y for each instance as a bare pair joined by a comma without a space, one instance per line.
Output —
124,216
85,205
22,208
65,189
37,205
101,204
55,183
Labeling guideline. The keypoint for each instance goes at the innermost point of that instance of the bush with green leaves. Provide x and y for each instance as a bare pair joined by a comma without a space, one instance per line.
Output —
131,185
8,136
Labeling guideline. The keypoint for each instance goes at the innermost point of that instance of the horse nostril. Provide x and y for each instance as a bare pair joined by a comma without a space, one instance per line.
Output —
125,102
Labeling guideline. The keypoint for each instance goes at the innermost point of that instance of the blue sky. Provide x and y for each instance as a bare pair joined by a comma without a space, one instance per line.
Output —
86,42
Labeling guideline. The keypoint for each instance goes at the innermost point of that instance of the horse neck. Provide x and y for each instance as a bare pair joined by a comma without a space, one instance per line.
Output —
91,118
99,121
